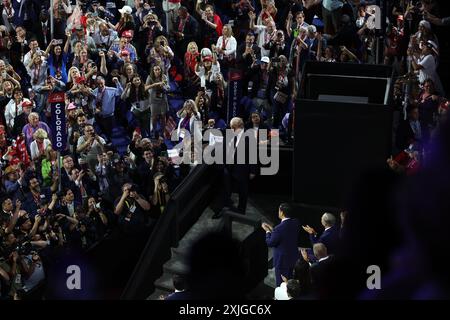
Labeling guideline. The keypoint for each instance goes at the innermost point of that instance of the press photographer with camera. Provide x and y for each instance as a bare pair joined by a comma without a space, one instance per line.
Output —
131,209
89,146
38,196
23,271
276,45
12,270
97,215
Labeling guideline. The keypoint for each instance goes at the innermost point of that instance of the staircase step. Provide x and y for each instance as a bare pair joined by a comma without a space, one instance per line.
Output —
177,263
204,225
179,253
240,231
157,293
176,266
270,279
165,283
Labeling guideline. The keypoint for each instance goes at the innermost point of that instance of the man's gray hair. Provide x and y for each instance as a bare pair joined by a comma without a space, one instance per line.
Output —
320,250
237,121
32,115
329,219
312,28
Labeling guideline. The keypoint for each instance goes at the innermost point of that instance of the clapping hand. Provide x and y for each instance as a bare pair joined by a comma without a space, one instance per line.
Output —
309,229
267,227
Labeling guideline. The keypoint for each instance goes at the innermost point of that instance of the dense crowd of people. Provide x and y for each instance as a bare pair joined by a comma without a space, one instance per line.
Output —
127,67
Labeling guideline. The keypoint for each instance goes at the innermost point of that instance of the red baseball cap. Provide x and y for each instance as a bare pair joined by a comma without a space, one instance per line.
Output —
124,53
27,103
127,34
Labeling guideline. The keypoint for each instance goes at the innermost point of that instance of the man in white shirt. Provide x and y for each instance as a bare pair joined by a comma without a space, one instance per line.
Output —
226,44
34,47
266,32
89,146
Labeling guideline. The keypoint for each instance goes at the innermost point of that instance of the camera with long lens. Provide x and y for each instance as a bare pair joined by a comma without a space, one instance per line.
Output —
23,248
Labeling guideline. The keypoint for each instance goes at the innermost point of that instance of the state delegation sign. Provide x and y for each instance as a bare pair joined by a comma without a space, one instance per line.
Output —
58,123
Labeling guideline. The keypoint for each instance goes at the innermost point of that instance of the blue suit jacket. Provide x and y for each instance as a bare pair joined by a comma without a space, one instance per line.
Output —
330,238
284,239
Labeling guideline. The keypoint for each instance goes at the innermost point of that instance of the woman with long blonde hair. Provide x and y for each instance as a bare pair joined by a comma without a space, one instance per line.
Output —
73,74
191,58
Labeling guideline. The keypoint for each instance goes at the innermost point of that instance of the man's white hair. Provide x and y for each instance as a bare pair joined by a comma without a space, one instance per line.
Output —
236,121
329,219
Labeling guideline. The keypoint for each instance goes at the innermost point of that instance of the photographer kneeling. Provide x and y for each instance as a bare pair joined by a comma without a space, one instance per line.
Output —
131,210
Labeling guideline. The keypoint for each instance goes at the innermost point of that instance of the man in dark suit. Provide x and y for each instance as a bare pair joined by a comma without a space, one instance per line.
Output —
68,165
42,29
322,270
247,54
330,237
146,172
184,30
283,238
238,171
409,131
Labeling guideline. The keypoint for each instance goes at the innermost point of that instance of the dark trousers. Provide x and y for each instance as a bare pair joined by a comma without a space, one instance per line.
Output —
240,185
106,125
331,20
286,272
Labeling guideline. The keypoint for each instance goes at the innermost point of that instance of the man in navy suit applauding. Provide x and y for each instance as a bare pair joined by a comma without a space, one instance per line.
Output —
283,238
330,237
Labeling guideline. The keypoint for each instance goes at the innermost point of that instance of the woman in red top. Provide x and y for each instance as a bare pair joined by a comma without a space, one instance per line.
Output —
212,24
191,58
406,162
